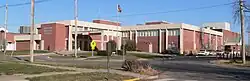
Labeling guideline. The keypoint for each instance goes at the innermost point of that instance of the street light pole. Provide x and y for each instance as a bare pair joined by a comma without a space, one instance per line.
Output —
243,50
5,26
76,26
32,31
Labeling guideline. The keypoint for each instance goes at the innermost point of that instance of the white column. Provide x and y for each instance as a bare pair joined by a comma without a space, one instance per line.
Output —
34,45
150,48
102,40
216,42
119,42
210,41
70,38
15,46
112,36
166,39
160,41
130,35
136,35
107,38
194,40
181,41
42,44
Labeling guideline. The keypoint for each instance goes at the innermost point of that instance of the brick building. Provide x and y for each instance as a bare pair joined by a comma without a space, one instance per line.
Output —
149,37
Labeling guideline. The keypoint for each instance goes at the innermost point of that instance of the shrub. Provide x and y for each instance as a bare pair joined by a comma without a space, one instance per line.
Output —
113,45
138,67
102,53
120,52
130,45
170,51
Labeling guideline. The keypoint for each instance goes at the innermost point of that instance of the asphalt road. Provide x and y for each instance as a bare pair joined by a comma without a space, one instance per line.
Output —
198,69
175,69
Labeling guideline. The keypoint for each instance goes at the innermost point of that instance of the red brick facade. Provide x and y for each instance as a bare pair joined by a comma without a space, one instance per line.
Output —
188,42
22,45
54,36
106,22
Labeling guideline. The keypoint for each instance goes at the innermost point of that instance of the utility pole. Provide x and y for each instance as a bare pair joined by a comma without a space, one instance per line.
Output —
242,24
5,25
32,31
76,26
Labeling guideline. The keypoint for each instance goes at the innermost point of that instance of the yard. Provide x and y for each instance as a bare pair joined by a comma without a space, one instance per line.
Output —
235,63
25,52
10,68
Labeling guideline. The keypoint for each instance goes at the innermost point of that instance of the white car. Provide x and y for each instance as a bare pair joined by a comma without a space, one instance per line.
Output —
203,52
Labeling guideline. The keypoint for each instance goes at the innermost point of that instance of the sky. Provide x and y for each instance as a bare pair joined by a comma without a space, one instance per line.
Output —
54,10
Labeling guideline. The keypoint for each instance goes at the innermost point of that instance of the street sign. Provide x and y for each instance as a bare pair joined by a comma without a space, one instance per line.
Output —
93,45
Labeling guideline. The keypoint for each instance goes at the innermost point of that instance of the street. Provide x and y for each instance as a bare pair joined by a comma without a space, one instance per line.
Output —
176,68
198,69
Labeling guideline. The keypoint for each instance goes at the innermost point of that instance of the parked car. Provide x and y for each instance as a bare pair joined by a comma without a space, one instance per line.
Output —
219,52
203,52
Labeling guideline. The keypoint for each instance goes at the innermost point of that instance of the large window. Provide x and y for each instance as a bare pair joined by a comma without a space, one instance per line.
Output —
146,33
173,32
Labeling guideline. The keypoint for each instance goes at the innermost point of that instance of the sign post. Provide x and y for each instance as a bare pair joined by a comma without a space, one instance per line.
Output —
93,45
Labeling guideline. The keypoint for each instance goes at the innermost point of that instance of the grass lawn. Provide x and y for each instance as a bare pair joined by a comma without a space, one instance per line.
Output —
147,56
86,64
96,76
235,63
26,52
16,68
80,55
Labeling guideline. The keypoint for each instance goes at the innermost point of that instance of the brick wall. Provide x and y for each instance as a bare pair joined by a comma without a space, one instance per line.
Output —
174,40
106,22
198,40
188,42
22,45
53,35
153,39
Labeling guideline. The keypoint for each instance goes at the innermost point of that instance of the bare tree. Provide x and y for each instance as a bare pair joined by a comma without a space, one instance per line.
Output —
240,9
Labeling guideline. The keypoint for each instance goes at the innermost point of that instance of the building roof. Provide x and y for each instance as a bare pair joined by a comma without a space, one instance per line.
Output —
84,24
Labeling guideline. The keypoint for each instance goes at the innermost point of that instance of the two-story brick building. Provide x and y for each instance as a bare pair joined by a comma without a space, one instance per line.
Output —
149,37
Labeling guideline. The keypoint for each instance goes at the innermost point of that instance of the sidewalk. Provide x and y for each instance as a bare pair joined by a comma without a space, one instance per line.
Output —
93,70
33,55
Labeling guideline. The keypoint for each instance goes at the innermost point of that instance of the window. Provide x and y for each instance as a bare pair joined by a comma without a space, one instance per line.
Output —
174,33
177,32
146,33
143,33
152,33
149,34
170,33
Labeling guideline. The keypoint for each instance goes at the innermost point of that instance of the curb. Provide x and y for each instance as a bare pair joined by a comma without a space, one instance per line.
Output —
135,79
147,78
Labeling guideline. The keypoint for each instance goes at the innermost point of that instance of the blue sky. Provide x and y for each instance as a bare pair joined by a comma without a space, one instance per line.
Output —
92,9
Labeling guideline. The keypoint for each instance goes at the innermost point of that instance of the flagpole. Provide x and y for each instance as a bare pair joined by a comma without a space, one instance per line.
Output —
117,24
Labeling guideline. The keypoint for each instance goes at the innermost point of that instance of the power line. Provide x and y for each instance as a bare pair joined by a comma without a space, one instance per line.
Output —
188,9
26,3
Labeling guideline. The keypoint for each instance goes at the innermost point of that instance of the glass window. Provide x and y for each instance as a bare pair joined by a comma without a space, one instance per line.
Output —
177,32
169,32
174,33
149,34
152,33
156,33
